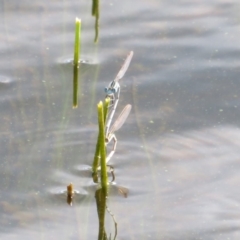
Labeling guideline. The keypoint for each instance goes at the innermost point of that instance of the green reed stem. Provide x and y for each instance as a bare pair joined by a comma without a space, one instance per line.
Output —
97,150
105,109
101,200
101,124
94,7
75,86
76,61
96,158
77,48
95,12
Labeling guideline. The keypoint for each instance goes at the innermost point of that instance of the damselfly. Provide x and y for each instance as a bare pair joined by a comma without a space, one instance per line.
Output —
113,89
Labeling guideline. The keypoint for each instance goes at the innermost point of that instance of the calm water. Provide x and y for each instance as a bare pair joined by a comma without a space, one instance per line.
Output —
178,152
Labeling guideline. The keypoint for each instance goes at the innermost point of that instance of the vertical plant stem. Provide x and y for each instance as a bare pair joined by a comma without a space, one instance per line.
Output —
77,45
104,176
96,159
96,14
75,86
77,42
97,151
101,206
94,7
105,109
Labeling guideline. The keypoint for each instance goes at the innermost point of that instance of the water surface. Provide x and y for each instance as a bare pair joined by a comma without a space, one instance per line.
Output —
178,152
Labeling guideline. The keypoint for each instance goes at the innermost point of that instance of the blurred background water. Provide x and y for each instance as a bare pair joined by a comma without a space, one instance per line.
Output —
177,153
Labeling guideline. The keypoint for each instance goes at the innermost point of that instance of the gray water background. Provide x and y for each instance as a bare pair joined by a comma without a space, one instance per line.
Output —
178,152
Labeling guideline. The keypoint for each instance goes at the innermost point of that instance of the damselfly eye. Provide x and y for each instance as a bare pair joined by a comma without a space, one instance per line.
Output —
106,89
